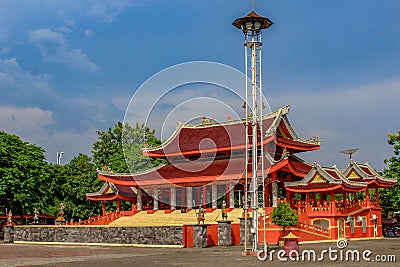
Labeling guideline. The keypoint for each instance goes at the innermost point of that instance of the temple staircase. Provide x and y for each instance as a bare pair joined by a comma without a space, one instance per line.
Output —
174,218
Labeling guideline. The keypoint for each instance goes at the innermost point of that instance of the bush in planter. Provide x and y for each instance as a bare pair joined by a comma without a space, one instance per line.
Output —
283,215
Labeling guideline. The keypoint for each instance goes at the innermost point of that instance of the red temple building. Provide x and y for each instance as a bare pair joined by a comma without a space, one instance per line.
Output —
207,162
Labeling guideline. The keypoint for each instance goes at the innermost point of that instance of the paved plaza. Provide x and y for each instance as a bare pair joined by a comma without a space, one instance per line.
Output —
58,255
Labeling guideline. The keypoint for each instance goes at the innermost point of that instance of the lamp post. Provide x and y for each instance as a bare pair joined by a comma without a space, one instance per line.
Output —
252,25
59,156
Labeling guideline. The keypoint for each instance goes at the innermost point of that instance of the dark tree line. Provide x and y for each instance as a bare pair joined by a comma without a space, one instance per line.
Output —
28,181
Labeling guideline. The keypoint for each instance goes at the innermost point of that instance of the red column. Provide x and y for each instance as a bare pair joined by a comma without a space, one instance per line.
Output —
289,197
308,201
227,193
119,205
104,208
377,196
367,197
266,195
204,196
198,200
333,203
183,204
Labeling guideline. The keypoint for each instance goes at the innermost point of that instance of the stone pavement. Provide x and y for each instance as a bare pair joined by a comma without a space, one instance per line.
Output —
57,255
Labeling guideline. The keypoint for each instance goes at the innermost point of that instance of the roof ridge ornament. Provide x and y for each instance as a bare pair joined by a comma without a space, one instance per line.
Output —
350,151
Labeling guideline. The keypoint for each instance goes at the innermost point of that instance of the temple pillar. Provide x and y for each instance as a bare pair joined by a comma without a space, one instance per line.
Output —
377,196
189,197
333,203
227,195
198,197
308,201
231,196
173,198
266,195
118,205
274,189
214,195
155,199
289,197
345,202
204,202
367,197
139,199
183,204
274,194
103,208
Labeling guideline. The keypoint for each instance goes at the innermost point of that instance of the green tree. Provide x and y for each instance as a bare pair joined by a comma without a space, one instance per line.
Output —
80,178
390,197
109,149
22,173
283,215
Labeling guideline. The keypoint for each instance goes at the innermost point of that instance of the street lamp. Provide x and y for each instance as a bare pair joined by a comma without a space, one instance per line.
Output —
59,156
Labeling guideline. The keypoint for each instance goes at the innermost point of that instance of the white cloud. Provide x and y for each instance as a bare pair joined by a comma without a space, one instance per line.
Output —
358,116
28,121
18,82
32,125
54,48
107,10
5,50
88,32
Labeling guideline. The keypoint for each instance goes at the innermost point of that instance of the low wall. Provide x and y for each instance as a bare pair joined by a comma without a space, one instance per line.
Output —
157,235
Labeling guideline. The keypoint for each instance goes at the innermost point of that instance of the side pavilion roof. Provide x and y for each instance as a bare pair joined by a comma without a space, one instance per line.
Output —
323,179
365,173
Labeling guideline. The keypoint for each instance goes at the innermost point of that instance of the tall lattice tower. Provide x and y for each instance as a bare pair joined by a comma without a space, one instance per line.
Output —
252,25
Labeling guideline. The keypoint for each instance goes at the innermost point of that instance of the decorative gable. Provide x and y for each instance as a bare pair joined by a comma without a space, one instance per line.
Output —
109,190
318,179
353,175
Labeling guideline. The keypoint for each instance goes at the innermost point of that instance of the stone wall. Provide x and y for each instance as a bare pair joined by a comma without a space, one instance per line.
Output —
8,234
200,235
224,233
163,235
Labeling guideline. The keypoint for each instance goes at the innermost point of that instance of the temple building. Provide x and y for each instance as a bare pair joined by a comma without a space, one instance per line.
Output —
207,163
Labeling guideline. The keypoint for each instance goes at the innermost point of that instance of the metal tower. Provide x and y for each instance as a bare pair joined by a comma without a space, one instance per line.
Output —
252,25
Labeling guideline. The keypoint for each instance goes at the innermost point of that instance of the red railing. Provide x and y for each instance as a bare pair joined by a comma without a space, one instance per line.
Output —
99,220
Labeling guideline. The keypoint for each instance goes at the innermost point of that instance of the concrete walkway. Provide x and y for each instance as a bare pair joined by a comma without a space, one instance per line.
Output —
51,255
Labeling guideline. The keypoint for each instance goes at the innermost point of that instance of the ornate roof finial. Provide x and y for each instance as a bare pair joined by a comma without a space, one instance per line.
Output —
252,5
350,151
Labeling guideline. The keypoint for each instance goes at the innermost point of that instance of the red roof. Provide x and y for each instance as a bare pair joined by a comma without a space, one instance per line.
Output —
329,179
184,172
226,136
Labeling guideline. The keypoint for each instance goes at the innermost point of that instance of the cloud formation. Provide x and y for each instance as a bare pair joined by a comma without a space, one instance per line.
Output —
16,82
54,48
33,124
359,116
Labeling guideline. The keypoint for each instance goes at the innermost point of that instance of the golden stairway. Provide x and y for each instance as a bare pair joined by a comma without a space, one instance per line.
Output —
175,218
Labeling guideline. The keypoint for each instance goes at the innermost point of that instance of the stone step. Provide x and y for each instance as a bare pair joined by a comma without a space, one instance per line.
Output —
175,218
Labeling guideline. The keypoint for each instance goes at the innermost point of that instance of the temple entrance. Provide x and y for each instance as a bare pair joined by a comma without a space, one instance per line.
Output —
341,229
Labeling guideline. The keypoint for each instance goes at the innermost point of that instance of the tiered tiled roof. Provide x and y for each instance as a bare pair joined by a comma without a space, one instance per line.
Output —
182,172
354,179
189,139
365,173
110,191
325,179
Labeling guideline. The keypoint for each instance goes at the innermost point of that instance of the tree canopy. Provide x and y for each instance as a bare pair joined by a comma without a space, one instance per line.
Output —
283,215
390,197
22,171
28,181
120,148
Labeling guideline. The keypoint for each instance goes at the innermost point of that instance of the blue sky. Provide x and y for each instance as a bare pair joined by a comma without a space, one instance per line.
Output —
68,68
